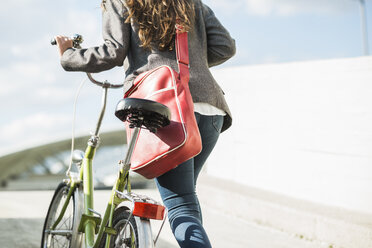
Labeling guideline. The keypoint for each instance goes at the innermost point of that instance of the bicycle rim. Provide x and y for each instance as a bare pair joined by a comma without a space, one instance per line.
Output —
65,233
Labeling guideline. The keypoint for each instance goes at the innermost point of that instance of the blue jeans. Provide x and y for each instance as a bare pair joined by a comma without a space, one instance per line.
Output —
177,188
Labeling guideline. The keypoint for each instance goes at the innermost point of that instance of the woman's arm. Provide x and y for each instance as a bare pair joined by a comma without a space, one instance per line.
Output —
116,36
221,46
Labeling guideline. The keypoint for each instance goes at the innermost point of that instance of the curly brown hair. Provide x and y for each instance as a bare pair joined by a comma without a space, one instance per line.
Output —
156,20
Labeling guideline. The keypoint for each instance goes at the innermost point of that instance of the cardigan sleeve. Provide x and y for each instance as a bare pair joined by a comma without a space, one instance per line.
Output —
221,46
116,36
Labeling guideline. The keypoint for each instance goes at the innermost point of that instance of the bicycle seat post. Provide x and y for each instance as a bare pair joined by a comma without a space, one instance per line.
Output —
131,145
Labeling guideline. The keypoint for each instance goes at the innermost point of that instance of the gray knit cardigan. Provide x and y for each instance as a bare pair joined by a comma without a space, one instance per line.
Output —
210,44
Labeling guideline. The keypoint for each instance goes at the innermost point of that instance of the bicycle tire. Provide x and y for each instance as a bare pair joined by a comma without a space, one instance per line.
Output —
71,237
124,238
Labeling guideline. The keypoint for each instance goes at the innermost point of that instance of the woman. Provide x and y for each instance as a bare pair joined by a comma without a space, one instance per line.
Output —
143,32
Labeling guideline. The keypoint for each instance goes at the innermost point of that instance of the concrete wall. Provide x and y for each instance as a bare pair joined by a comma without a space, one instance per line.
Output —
301,129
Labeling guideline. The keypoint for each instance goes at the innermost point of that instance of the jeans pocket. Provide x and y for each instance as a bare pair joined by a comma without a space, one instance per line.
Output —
217,121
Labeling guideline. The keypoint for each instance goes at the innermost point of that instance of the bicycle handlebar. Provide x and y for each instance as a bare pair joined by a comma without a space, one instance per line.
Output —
104,84
77,39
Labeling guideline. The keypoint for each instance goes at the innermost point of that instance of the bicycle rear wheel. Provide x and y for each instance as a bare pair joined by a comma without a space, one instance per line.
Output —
127,237
65,234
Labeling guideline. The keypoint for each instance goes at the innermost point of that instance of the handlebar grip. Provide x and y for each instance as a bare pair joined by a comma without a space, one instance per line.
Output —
53,42
77,39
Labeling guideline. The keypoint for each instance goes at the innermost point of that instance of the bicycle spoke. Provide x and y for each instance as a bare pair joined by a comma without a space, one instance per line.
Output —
64,222
126,237
56,241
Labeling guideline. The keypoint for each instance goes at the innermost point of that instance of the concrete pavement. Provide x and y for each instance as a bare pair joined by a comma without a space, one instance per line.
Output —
320,225
234,216
21,224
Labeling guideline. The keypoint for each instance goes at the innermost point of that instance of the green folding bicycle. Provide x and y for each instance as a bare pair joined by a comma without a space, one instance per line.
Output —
71,220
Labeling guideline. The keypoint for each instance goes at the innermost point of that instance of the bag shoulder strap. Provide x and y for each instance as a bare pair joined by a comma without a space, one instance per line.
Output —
182,53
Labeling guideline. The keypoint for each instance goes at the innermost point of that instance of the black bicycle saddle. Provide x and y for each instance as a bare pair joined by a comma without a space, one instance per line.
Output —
142,112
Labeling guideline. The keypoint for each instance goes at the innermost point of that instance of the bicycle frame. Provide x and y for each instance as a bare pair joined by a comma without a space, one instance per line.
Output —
90,219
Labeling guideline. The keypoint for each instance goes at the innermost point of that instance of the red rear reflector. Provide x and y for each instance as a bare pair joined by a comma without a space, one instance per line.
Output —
148,210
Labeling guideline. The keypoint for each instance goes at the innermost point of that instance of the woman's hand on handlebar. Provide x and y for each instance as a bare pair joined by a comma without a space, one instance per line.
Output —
63,43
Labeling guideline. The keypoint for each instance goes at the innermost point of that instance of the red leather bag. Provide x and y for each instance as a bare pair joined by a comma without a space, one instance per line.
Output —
156,153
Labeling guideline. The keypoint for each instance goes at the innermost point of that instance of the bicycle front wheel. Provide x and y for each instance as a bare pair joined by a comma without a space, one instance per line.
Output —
65,234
